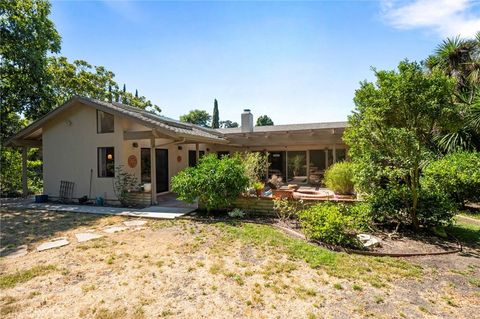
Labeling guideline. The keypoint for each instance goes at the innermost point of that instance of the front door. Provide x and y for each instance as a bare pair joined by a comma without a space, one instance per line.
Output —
161,156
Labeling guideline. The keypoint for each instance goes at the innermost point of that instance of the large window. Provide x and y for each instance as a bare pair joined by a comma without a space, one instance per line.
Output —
297,166
105,122
341,154
106,162
317,166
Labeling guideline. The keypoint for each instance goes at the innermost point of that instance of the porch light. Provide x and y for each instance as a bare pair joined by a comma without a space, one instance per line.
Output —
109,157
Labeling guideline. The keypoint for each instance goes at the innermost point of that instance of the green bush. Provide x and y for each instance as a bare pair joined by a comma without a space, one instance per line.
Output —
214,182
391,205
339,178
456,174
334,223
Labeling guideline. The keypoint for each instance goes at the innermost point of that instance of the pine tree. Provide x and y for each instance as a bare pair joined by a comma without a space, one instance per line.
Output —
215,119
136,94
124,97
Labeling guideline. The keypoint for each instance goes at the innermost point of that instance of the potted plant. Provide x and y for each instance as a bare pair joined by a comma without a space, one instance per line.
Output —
258,186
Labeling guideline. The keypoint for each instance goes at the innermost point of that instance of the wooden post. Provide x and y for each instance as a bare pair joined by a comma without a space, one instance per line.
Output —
153,170
24,171
197,153
308,166
334,153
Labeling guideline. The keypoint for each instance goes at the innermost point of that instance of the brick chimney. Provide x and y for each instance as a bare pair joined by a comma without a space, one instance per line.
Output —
247,121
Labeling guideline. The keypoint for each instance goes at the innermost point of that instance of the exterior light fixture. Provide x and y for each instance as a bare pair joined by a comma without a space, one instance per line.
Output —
109,157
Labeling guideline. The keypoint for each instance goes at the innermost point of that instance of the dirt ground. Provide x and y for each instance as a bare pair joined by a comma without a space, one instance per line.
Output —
187,269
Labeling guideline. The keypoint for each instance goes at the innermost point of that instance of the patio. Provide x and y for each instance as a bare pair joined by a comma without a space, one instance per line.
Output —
169,207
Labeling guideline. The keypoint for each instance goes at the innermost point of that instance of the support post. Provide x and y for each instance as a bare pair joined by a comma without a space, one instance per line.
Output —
308,166
197,153
24,171
153,170
334,154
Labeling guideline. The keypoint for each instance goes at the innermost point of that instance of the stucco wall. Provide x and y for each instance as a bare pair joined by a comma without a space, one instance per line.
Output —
70,143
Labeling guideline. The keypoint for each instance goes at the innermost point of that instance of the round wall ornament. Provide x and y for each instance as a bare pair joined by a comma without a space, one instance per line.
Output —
132,161
179,158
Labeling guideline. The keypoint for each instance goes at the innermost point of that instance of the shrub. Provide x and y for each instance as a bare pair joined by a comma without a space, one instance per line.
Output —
236,213
456,174
286,208
390,205
123,184
256,165
214,182
334,223
339,178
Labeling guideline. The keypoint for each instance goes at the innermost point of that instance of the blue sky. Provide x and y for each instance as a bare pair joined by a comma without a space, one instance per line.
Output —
294,61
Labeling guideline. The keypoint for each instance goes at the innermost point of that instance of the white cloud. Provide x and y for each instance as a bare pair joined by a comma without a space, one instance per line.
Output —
445,17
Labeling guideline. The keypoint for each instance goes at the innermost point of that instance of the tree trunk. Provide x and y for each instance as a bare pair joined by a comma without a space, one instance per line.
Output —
414,186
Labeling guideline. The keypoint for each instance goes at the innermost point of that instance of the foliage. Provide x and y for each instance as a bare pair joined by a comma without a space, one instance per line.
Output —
258,185
391,130
215,118
27,36
82,79
256,165
339,178
264,120
236,213
296,164
198,117
287,209
335,224
460,59
457,175
11,172
391,205
228,124
123,184
214,182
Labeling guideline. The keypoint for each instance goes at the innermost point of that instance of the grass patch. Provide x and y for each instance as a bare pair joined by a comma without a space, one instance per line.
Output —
467,233
11,280
104,313
341,265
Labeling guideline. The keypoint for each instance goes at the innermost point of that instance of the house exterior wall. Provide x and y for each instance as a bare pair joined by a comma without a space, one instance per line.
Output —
70,143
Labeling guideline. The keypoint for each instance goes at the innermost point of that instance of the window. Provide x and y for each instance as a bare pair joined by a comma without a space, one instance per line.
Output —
221,154
145,165
341,154
106,162
297,166
192,157
105,122
317,166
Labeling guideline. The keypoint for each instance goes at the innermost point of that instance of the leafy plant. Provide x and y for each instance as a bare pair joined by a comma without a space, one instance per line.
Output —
287,209
391,131
123,184
334,223
258,185
256,165
339,178
456,174
236,213
215,182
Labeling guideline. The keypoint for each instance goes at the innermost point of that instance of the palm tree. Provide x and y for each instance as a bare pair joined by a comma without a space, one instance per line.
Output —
460,59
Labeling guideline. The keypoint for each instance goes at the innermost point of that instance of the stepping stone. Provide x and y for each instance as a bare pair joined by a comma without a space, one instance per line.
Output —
81,237
114,229
18,252
55,243
134,223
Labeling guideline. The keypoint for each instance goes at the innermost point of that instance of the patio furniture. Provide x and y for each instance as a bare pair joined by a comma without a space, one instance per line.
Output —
66,191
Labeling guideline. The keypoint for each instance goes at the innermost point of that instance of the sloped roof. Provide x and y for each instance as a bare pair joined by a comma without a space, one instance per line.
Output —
287,128
166,125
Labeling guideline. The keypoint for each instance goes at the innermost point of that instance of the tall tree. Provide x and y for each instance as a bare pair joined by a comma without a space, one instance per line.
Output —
198,117
27,36
391,129
215,119
136,93
264,120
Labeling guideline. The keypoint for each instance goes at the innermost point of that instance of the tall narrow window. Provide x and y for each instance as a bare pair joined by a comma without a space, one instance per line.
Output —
145,165
106,162
192,157
105,122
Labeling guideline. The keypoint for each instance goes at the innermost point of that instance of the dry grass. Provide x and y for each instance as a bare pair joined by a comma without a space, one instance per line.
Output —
183,269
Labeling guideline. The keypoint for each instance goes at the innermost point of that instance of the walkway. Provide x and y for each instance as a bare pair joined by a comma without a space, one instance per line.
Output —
169,208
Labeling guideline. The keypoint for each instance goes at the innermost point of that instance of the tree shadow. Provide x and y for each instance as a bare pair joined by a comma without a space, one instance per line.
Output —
31,226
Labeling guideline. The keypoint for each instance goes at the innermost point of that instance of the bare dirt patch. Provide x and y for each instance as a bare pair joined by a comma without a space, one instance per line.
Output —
186,269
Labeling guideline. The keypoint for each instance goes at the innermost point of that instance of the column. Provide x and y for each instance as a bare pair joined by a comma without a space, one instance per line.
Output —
24,171
153,170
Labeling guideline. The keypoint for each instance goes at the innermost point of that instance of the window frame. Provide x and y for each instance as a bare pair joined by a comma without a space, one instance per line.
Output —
98,161
99,126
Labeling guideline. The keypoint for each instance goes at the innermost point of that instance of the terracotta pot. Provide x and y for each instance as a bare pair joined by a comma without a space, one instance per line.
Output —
259,192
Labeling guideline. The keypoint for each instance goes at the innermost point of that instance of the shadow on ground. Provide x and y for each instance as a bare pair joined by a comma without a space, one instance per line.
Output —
27,227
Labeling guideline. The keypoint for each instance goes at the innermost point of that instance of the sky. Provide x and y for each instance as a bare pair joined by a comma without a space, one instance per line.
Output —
297,62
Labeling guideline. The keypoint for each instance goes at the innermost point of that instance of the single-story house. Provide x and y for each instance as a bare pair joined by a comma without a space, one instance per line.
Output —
83,140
